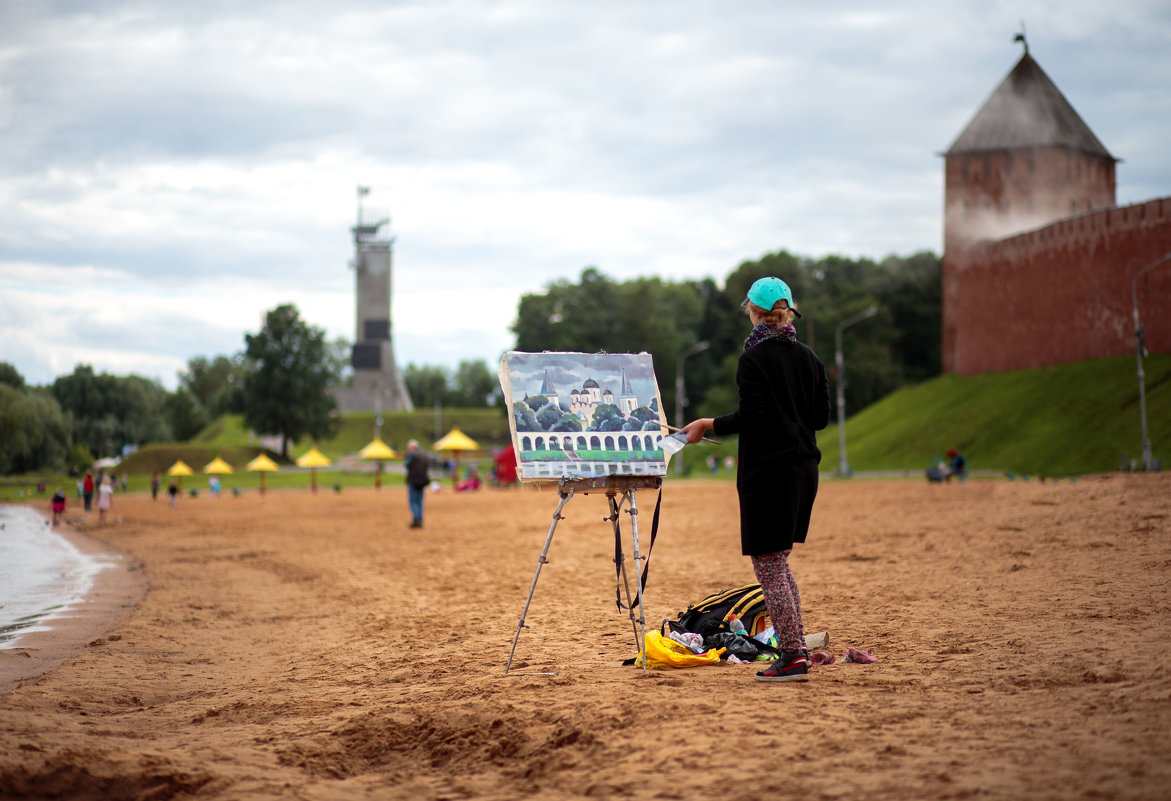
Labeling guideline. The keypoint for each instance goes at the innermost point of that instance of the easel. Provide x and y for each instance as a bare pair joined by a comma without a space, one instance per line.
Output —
619,490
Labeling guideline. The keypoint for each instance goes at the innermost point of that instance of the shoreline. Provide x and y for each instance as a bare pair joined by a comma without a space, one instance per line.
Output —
116,592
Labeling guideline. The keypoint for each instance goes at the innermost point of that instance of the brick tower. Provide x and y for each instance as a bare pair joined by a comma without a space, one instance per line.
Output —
1024,161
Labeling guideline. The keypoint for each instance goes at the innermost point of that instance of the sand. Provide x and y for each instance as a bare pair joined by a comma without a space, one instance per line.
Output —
313,647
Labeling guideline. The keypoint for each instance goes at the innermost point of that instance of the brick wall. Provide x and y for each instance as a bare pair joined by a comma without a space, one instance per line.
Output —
1058,294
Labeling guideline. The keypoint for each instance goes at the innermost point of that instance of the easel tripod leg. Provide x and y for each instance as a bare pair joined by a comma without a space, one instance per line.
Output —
620,558
540,562
637,575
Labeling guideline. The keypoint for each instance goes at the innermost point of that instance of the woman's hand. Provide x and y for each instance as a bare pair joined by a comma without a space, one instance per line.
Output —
697,428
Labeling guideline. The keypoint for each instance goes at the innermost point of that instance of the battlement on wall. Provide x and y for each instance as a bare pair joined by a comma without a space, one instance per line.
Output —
1086,228
1061,293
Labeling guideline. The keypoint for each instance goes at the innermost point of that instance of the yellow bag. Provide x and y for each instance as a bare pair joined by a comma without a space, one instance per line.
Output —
662,652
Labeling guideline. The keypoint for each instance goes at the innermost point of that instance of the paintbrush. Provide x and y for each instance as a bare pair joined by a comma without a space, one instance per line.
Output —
702,439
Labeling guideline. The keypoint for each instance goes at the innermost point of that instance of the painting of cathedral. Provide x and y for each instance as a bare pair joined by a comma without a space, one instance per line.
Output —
584,415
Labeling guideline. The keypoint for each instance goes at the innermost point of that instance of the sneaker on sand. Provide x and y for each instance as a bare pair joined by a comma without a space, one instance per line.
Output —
790,667
817,642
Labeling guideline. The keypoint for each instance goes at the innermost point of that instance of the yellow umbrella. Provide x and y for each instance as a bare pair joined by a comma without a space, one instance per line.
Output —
262,464
180,469
378,450
456,441
217,466
313,459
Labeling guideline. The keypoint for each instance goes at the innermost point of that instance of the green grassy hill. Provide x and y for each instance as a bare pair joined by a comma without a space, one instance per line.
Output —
1068,420
1056,421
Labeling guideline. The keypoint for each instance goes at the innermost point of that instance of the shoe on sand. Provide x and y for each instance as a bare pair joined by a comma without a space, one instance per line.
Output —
790,667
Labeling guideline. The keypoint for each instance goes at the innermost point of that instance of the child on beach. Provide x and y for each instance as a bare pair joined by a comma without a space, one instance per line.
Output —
58,505
783,399
105,493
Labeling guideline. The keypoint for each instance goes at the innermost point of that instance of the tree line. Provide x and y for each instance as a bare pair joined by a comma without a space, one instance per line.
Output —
280,380
900,344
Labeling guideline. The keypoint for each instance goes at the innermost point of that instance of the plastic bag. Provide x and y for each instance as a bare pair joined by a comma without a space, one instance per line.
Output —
662,652
743,647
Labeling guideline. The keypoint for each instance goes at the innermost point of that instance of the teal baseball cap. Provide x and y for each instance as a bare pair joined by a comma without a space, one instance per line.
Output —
767,291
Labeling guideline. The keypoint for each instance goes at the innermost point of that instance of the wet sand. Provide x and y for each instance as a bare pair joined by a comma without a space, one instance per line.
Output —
315,647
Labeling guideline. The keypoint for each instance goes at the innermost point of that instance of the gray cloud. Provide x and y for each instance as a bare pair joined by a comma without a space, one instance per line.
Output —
217,145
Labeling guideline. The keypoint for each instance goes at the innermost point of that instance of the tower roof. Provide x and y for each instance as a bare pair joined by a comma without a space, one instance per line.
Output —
547,385
627,390
1027,110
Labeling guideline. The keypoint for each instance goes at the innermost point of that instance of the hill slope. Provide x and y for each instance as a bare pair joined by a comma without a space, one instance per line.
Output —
1067,420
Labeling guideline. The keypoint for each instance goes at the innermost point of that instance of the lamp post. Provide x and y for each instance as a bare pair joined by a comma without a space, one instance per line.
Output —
694,349
1140,351
840,364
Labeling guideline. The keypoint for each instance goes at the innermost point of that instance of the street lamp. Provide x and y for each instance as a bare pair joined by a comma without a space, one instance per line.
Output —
1140,349
840,364
694,349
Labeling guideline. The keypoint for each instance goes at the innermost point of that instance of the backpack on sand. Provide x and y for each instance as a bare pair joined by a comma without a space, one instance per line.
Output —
711,614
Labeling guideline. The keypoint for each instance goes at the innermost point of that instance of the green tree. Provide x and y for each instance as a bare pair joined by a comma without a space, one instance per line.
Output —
426,384
568,422
108,412
475,386
548,416
214,384
525,419
11,376
34,433
287,392
607,417
187,416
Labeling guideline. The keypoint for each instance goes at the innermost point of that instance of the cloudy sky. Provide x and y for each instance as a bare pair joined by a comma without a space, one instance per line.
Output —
169,170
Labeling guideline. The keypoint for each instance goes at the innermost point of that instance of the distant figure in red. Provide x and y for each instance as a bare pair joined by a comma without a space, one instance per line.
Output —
87,489
471,483
58,505
506,467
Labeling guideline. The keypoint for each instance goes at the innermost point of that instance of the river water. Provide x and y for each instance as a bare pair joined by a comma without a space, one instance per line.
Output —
42,575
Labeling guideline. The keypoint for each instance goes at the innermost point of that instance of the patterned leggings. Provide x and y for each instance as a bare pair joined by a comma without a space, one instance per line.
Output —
781,598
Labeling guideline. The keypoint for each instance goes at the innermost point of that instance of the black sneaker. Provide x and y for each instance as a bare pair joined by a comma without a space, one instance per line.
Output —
790,667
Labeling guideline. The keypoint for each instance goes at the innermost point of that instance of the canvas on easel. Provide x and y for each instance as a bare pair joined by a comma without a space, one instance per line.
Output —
592,422
584,415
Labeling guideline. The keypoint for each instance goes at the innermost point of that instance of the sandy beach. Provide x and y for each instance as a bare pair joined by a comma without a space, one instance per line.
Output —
313,647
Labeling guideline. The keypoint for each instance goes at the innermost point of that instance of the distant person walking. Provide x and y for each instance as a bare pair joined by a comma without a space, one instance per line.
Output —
173,491
418,477
154,485
87,490
783,399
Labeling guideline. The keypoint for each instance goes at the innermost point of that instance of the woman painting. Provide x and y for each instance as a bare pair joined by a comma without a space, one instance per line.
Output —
783,399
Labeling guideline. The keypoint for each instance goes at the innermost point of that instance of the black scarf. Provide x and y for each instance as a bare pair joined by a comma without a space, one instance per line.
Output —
763,331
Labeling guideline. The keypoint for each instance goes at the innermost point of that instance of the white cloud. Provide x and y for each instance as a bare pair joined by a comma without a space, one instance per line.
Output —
169,172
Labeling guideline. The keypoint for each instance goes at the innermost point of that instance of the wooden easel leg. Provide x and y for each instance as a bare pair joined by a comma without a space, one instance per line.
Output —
541,560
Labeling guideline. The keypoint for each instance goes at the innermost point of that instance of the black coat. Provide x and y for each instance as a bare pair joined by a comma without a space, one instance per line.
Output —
784,399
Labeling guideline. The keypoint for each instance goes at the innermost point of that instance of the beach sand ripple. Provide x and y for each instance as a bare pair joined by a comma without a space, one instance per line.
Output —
315,647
